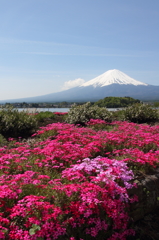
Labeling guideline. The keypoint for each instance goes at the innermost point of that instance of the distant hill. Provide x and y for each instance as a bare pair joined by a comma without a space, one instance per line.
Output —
116,102
111,83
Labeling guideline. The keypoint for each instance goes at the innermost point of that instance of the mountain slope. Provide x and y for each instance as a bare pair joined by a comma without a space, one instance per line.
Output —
112,83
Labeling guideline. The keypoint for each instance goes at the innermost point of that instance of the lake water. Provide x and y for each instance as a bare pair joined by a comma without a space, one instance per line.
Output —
33,110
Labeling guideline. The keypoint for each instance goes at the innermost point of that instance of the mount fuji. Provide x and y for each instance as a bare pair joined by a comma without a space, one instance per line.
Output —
112,83
112,77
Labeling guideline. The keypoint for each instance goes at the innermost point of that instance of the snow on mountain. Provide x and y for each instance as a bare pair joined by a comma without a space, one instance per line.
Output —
111,77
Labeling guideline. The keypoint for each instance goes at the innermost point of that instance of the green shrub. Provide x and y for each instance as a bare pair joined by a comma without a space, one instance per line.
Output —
3,141
44,115
16,124
116,102
140,113
83,113
118,115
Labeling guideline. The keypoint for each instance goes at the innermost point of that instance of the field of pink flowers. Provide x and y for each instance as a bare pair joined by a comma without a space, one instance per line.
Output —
71,182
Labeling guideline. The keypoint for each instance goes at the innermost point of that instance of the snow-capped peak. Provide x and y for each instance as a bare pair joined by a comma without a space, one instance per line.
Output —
111,77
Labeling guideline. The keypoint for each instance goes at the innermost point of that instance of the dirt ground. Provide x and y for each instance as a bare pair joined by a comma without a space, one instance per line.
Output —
147,228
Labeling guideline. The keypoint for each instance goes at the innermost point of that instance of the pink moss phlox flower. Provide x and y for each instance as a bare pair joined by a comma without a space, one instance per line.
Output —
36,210
59,185
101,167
60,113
96,121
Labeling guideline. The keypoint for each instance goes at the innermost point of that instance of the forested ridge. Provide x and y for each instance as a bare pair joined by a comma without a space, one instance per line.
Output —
115,102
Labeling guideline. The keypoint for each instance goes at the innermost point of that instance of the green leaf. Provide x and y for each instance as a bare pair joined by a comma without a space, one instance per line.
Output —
34,229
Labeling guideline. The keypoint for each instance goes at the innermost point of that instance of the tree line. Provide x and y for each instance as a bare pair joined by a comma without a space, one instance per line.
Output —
116,102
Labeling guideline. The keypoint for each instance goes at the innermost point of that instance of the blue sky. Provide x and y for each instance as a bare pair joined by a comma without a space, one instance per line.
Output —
47,46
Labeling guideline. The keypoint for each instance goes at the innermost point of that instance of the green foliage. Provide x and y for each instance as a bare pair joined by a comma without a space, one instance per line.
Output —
47,134
34,229
140,113
118,115
83,113
3,141
16,124
116,102
101,127
156,104
44,115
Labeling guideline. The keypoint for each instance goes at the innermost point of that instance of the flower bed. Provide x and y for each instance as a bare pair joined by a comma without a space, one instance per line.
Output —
73,183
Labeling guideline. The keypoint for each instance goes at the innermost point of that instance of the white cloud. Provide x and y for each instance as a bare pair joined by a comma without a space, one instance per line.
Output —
73,83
